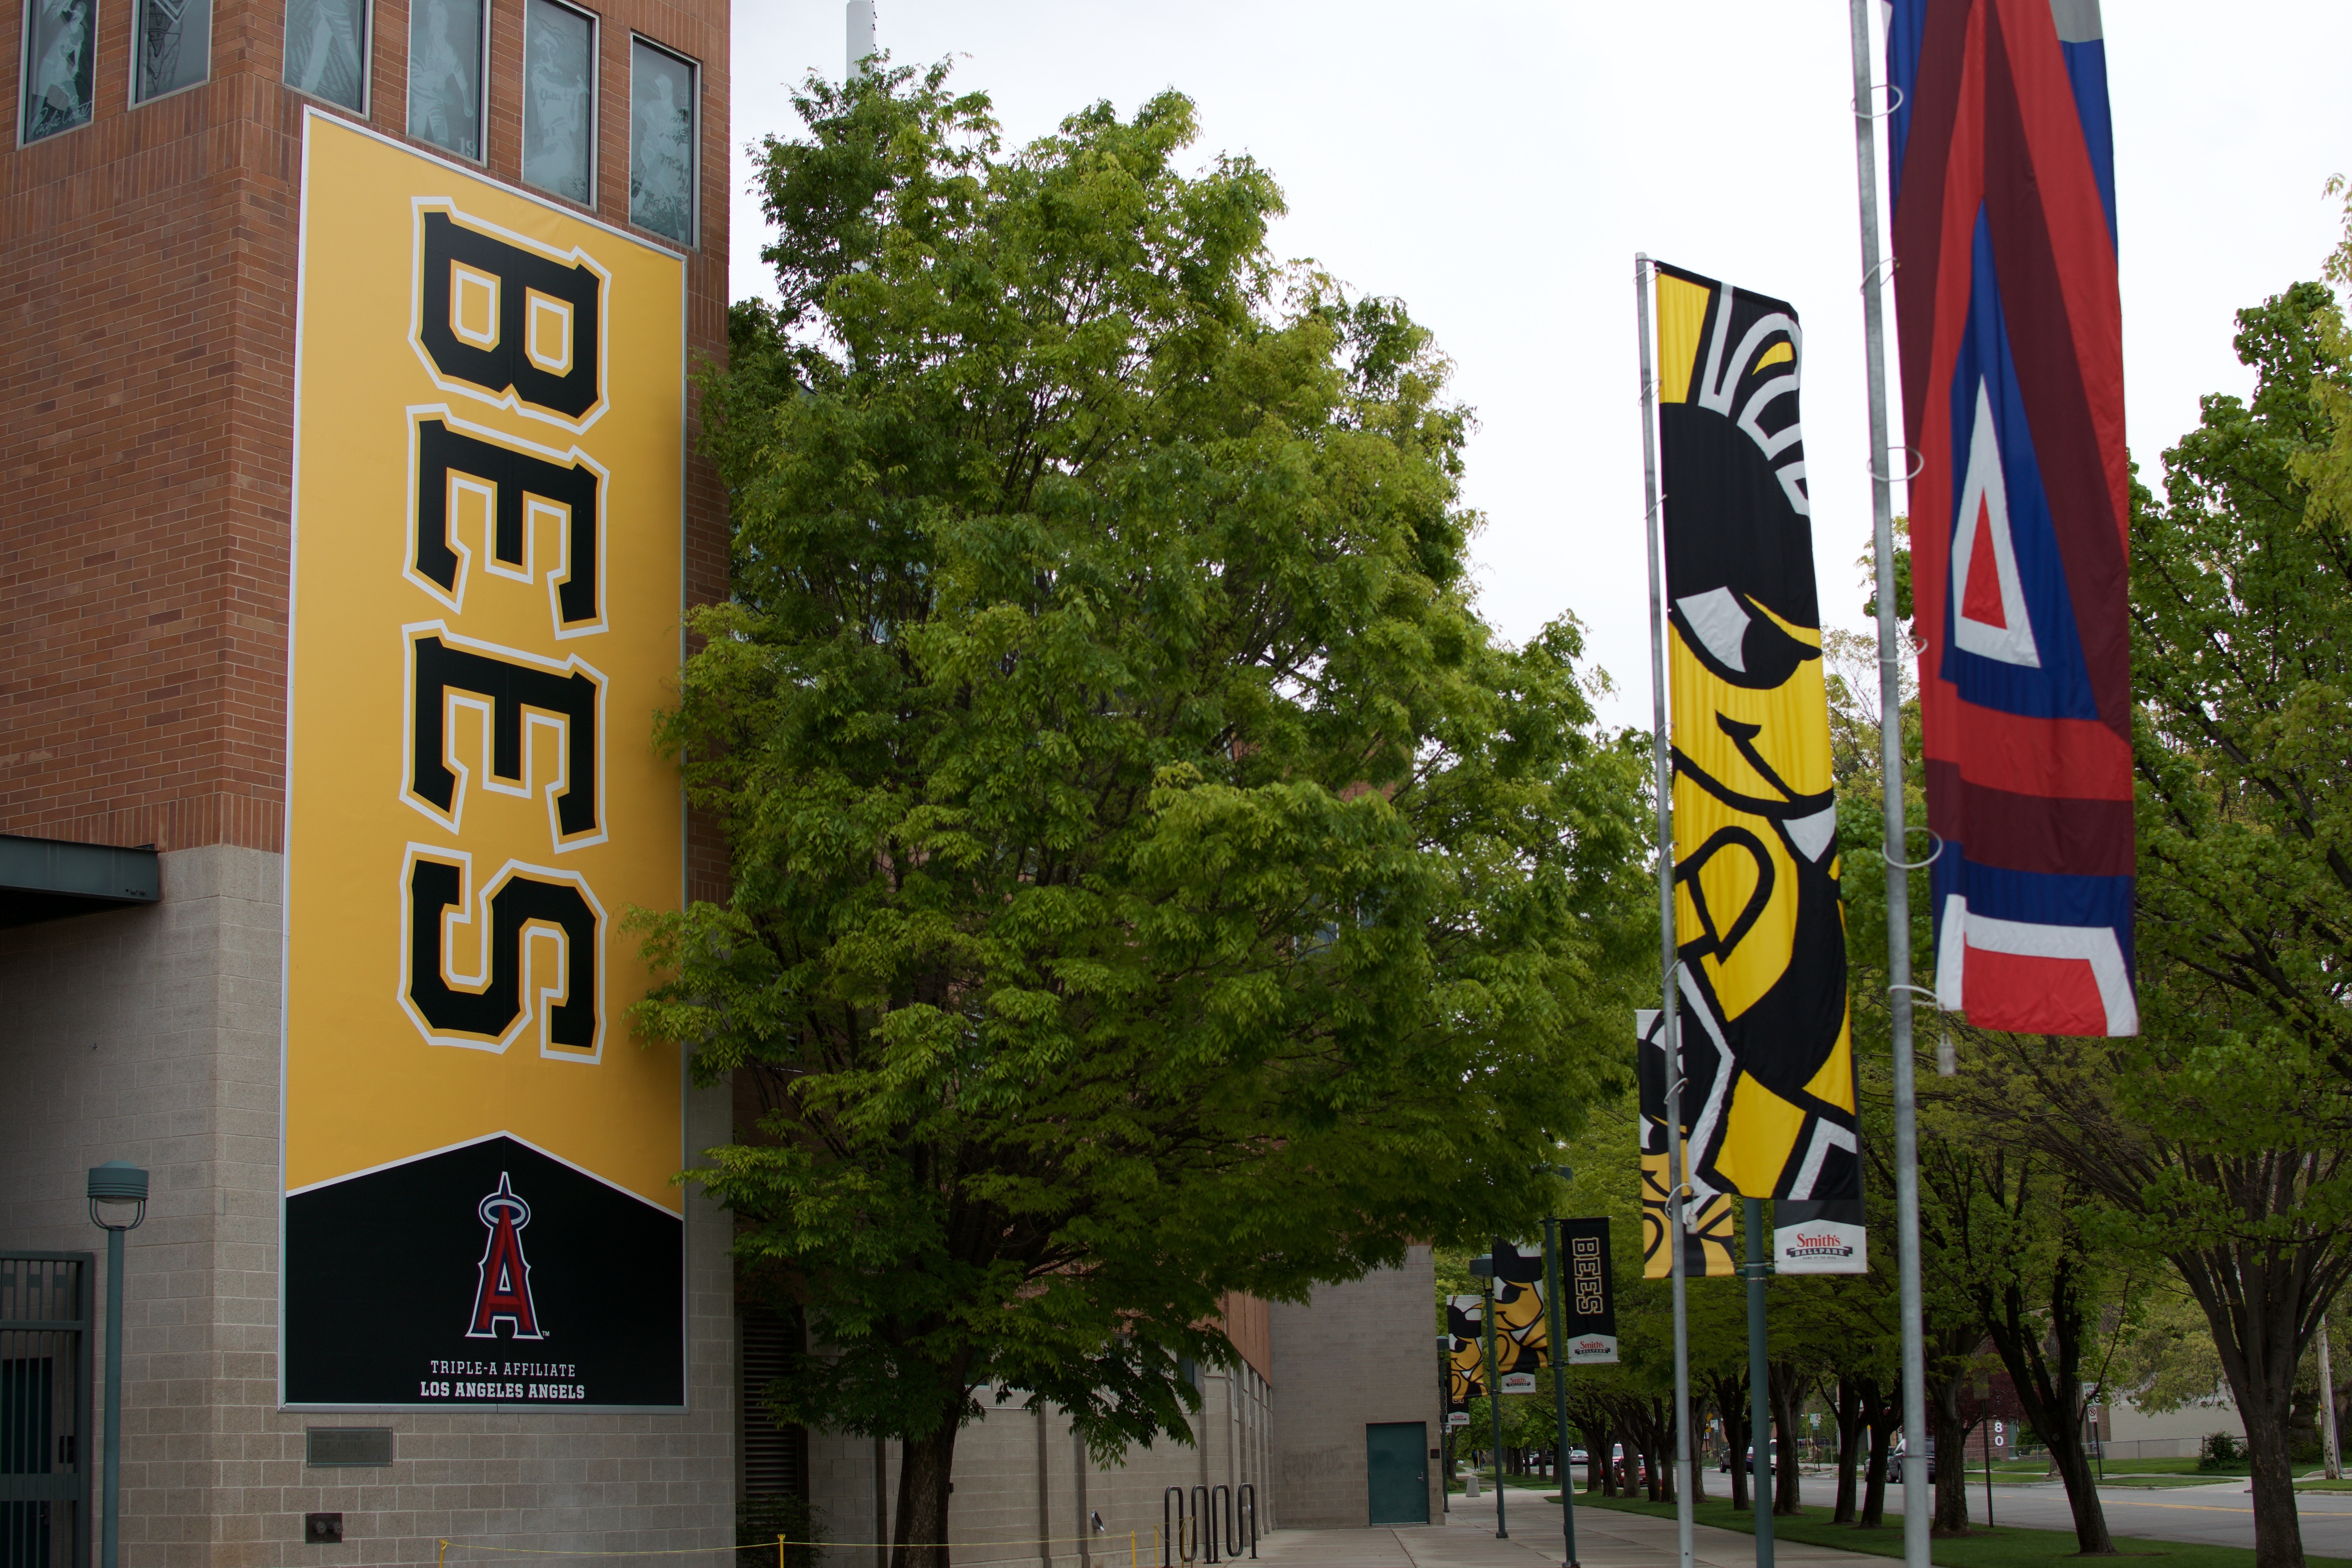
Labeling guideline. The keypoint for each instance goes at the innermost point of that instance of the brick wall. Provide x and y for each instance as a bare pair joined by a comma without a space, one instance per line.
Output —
146,384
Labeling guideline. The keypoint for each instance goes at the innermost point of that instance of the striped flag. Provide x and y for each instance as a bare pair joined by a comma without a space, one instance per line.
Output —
2011,330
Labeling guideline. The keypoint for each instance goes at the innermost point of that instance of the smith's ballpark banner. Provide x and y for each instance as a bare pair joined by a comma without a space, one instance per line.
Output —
2011,331
1767,1059
488,460
1588,1285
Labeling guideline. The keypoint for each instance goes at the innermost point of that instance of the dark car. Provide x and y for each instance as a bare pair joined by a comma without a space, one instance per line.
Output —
1895,1463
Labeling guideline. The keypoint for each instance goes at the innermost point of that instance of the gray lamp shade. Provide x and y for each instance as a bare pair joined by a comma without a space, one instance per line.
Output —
118,1180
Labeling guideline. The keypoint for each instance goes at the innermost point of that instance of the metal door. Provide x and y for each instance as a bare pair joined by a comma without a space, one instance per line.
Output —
1396,1471
45,1344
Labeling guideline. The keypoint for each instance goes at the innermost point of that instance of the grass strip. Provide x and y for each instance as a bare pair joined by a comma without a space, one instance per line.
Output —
2004,1546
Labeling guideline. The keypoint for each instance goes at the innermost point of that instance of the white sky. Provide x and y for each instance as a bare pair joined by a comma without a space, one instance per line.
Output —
1497,165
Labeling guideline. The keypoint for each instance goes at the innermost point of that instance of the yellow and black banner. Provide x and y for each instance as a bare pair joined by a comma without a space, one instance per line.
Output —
489,460
1708,1237
1522,1329
1768,1090
1465,1356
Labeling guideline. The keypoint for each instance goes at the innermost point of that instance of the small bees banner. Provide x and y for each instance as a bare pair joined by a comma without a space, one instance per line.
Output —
1588,1307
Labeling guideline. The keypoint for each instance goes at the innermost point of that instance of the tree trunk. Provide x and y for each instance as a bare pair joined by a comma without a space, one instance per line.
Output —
2278,1533
1849,1440
925,1466
1786,1496
2044,1359
1698,1460
1731,1398
2258,1303
1597,1438
1883,1416
1950,1452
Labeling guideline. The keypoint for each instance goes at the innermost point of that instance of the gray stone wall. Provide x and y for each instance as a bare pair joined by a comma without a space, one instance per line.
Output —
1357,1354
151,1036
1026,1492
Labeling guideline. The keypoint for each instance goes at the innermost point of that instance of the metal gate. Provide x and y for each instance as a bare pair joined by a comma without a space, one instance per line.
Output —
45,1460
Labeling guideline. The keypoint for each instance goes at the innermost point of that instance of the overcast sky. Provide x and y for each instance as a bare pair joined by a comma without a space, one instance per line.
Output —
1497,165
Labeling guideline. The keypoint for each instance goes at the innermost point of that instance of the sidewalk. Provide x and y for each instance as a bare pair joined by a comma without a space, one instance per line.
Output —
1604,1539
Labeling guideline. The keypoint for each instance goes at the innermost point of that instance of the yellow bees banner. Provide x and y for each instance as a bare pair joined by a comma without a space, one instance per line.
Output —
1768,1097
490,452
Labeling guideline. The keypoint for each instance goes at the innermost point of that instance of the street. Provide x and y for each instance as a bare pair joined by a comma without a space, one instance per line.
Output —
2220,1514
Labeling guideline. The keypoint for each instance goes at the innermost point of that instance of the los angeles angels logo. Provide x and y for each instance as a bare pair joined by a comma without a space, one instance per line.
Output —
504,1291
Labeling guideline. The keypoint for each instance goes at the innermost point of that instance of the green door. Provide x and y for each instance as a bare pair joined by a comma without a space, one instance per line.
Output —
1396,1471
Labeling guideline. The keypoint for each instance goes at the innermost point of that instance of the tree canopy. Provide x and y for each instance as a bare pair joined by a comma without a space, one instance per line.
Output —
1151,879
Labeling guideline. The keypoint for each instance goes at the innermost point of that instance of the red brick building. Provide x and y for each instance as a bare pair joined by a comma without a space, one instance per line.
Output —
151,203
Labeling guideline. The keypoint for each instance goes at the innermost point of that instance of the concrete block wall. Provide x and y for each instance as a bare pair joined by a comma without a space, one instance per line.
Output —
1026,1492
152,1035
1357,1354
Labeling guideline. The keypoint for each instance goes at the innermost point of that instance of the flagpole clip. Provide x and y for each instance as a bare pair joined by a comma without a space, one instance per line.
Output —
1918,461
1884,265
1916,865
1923,990
1897,101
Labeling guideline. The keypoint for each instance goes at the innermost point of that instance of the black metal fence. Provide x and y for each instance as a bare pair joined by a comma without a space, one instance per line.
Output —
44,1425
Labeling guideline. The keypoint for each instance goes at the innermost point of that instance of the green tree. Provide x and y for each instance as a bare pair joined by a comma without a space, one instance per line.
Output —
2242,609
2014,1234
1150,879
2217,1138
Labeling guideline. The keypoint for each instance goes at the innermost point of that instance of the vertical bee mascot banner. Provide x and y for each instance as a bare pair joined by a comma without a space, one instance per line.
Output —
1465,1356
487,556
1708,1238
1768,1090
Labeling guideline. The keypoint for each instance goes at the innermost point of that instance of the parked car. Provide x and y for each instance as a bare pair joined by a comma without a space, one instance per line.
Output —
1895,1462
1578,1457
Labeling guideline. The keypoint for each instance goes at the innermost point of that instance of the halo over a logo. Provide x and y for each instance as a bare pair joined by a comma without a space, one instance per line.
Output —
504,1291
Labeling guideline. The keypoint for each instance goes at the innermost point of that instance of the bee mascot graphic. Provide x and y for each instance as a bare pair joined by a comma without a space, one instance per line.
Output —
1768,1093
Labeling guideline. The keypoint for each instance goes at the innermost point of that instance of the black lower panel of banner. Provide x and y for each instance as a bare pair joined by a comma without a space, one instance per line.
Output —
489,1274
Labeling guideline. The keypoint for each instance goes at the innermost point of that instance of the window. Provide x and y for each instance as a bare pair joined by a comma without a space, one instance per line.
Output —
59,37
446,42
171,46
327,50
559,99
661,141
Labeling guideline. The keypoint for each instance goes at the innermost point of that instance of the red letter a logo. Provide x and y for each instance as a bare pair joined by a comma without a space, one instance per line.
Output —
505,1287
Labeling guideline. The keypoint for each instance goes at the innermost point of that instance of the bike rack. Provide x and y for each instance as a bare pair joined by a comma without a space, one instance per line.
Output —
1248,1499
1171,1532
1204,1526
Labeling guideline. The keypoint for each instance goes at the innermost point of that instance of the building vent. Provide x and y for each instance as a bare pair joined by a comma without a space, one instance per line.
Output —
775,1458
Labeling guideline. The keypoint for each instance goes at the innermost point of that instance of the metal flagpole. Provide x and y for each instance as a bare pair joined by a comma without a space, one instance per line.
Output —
1675,1184
1916,1505
1762,1471
1554,1315
1494,1385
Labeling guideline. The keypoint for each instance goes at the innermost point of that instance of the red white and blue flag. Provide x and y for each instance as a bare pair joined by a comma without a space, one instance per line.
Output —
2011,333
